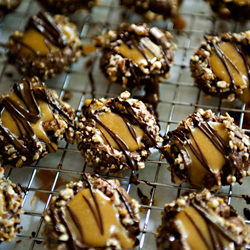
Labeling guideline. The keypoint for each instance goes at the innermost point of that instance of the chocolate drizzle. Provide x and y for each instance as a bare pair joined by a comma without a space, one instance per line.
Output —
44,23
55,103
119,141
98,217
211,219
138,119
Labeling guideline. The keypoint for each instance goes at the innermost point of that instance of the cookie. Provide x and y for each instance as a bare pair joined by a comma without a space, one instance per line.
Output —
7,6
10,208
201,221
92,214
207,151
65,6
154,9
117,133
220,66
134,55
32,120
48,46
237,10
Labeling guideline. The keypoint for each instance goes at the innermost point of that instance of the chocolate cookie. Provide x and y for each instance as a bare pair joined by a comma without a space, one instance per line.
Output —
116,134
48,46
32,120
220,66
66,6
135,54
154,9
10,208
7,6
237,10
207,151
201,221
92,214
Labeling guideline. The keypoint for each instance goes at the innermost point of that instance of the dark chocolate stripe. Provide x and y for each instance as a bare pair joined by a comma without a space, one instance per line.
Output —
245,58
198,230
214,237
97,219
44,23
21,147
100,224
130,128
139,120
120,143
126,204
50,99
212,135
203,211
24,90
222,57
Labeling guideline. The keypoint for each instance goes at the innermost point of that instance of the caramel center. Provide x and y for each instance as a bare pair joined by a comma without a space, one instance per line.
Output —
84,209
120,128
195,230
2,203
17,129
207,151
150,49
33,40
235,62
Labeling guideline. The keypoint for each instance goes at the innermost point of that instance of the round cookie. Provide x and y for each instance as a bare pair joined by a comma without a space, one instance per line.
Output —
32,120
10,208
207,151
201,221
92,214
7,6
220,66
134,55
154,9
66,6
48,46
116,134
237,10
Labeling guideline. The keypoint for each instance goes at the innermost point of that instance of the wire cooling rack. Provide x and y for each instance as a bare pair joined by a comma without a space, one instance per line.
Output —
179,97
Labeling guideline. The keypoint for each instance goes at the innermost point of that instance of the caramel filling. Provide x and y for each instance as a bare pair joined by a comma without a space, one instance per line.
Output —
235,63
35,41
206,148
93,220
120,128
2,203
16,127
150,49
196,231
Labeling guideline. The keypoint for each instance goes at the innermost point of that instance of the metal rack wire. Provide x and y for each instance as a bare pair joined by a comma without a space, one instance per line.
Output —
179,97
